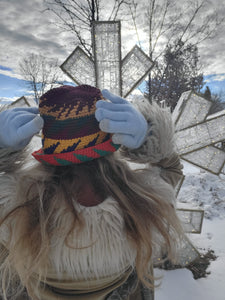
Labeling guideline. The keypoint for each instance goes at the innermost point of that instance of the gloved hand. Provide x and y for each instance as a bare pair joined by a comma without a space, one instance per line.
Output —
121,118
18,125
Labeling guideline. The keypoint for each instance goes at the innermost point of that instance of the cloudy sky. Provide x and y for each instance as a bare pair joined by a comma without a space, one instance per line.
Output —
25,28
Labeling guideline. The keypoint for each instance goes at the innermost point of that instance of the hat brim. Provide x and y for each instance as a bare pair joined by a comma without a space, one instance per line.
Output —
78,156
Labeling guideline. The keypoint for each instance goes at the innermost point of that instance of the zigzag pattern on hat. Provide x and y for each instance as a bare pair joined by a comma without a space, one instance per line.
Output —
61,146
80,156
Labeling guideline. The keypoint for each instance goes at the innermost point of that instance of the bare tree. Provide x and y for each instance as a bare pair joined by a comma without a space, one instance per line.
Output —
176,23
167,21
40,73
77,16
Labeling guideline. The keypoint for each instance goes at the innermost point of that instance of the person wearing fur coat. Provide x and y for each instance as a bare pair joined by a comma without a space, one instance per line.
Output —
80,222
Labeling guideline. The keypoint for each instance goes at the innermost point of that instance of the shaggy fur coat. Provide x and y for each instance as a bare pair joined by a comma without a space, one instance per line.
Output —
106,269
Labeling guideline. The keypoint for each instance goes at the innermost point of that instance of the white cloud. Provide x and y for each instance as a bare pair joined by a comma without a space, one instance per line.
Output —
220,77
10,74
5,100
216,77
25,28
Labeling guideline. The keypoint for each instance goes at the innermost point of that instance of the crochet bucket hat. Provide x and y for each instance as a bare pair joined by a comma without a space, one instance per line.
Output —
71,133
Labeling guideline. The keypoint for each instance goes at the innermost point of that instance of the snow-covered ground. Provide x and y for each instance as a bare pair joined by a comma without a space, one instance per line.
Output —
205,191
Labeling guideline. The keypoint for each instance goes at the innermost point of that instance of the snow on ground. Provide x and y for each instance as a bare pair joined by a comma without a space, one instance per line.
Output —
205,191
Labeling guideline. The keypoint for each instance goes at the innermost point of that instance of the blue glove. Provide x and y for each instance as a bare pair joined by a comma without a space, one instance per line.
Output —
121,118
18,125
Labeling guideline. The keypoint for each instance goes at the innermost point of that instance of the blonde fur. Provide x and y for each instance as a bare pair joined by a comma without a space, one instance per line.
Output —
101,248
159,143
48,233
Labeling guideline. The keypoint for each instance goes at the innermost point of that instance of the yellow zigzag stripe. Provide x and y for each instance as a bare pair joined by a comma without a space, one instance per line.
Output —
63,112
64,144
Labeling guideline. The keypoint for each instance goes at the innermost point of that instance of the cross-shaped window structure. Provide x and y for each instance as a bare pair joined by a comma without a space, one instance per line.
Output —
198,133
107,70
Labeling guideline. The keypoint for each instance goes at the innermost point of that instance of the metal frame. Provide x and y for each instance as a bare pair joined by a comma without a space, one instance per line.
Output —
180,108
19,99
203,167
71,56
201,212
117,36
122,80
197,133
179,185
185,260
124,61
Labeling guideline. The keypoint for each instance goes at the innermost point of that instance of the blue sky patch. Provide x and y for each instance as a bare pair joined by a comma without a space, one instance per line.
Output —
11,87
5,68
216,83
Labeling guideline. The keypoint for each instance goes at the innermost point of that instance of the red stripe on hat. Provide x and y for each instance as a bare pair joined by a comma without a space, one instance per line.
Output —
68,158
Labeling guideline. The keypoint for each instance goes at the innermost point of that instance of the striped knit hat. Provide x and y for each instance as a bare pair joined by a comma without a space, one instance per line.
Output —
71,133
